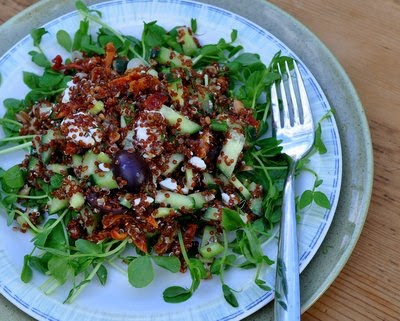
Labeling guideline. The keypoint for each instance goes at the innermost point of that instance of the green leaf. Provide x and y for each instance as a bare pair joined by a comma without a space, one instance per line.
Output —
37,35
59,268
318,182
88,247
40,59
153,35
50,79
13,177
31,79
231,220
56,180
193,25
261,284
170,263
229,296
140,272
38,264
306,199
26,274
102,274
318,143
234,35
64,39
322,200
267,260
176,294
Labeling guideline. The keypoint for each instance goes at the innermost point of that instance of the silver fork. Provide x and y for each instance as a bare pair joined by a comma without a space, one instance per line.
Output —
297,135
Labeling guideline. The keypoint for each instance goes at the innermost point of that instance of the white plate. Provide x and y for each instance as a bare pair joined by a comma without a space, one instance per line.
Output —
118,300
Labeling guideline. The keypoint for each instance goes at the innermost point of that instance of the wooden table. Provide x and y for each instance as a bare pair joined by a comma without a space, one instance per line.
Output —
364,35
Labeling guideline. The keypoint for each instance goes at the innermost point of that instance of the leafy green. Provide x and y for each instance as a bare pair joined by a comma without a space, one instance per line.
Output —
102,274
37,35
231,220
170,263
26,274
64,39
39,59
193,25
229,296
140,272
176,294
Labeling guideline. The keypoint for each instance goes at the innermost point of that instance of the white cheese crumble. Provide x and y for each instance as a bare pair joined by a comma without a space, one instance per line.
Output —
88,137
137,201
229,199
169,184
209,197
141,133
197,162
67,92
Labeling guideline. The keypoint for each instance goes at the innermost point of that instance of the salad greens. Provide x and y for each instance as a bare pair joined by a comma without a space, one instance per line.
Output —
63,259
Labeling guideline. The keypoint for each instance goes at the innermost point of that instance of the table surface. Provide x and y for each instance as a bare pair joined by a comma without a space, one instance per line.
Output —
364,36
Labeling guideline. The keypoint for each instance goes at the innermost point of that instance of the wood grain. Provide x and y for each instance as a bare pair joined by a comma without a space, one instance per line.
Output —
364,35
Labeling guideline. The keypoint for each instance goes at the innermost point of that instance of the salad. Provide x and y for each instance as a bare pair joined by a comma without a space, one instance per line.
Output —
146,151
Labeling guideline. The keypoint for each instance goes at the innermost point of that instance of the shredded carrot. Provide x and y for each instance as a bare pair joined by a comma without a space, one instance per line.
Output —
110,54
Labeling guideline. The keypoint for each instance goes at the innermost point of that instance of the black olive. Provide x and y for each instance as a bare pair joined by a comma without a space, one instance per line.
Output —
120,64
132,168
154,53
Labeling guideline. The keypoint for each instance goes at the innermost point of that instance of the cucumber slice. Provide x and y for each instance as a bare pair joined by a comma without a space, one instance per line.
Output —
97,107
104,158
125,202
173,163
256,205
163,212
224,180
206,103
106,180
91,220
76,161
89,164
200,199
186,126
57,204
230,152
175,200
76,201
209,235
212,214
211,250
58,168
189,44
242,189
46,139
172,57
189,178
175,91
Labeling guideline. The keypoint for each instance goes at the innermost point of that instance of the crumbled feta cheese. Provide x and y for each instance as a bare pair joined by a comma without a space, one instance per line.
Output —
67,92
141,133
229,199
185,190
169,184
88,136
137,201
103,168
198,162
81,75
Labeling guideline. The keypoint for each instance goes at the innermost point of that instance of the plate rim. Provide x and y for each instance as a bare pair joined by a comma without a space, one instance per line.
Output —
41,5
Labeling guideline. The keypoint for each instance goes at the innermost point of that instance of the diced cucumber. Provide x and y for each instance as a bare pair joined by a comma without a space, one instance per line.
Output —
105,180
242,189
104,158
199,199
175,91
189,178
175,200
97,107
172,57
125,202
58,168
89,163
186,126
46,139
76,160
212,214
152,72
230,152
173,163
256,205
77,200
209,235
211,250
209,181
90,219
224,180
57,204
163,212
189,44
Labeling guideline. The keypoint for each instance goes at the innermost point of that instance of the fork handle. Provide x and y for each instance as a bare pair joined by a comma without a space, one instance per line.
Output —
287,284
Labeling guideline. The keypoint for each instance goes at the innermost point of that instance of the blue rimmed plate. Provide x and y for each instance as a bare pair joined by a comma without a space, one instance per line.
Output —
118,300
